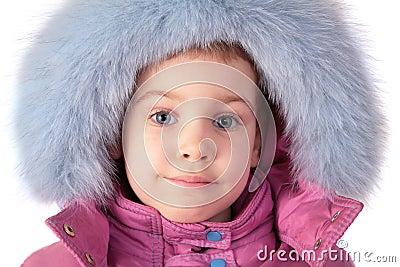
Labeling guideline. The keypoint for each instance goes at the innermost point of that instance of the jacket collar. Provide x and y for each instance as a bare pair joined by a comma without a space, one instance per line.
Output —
307,218
258,209
312,220
84,230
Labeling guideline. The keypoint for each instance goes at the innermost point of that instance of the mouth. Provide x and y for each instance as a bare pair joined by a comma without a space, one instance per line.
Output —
188,181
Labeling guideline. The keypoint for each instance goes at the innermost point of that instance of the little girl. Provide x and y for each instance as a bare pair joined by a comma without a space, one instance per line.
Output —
148,122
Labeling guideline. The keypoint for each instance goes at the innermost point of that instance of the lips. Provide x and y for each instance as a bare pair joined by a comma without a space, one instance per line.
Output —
188,181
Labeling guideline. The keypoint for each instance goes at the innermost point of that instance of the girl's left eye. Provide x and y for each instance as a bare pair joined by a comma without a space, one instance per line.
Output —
163,118
225,122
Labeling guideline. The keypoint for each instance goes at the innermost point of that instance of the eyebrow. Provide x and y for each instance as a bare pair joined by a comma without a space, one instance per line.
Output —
224,98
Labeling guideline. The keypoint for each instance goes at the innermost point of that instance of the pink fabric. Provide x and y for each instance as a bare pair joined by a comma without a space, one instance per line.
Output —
281,215
136,235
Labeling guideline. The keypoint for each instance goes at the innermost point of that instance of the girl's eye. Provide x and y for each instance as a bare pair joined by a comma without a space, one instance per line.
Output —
163,118
225,122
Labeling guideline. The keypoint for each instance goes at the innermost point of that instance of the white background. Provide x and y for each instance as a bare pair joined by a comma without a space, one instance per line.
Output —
375,231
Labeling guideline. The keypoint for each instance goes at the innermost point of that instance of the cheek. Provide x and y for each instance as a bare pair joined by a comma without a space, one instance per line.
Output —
238,146
154,150
236,191
251,128
224,149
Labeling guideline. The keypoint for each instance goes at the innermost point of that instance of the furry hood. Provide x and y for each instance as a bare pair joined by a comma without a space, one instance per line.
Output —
77,77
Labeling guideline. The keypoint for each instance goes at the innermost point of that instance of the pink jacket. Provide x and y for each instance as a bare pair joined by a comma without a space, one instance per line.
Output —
275,217
73,92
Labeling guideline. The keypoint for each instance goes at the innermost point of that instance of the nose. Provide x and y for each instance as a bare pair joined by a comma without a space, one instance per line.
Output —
194,143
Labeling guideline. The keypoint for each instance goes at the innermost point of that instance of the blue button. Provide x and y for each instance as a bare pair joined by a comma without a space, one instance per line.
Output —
217,263
214,236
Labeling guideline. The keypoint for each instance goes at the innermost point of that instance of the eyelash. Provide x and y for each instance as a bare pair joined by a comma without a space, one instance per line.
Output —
157,111
234,117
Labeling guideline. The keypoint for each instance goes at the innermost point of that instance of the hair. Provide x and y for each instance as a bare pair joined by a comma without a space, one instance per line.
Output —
217,50
221,50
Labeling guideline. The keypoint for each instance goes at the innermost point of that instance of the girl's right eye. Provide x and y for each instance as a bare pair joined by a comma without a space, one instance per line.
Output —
163,118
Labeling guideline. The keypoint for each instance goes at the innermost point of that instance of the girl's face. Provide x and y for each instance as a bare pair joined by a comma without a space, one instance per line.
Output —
191,136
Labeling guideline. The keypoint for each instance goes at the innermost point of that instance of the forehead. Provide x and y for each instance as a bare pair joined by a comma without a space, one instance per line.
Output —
184,79
193,91
238,63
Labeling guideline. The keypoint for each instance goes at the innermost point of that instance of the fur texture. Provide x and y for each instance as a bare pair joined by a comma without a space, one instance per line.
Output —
76,81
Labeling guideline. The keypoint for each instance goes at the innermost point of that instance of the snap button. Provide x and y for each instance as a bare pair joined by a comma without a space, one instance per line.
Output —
334,217
318,244
214,236
218,263
89,258
69,230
